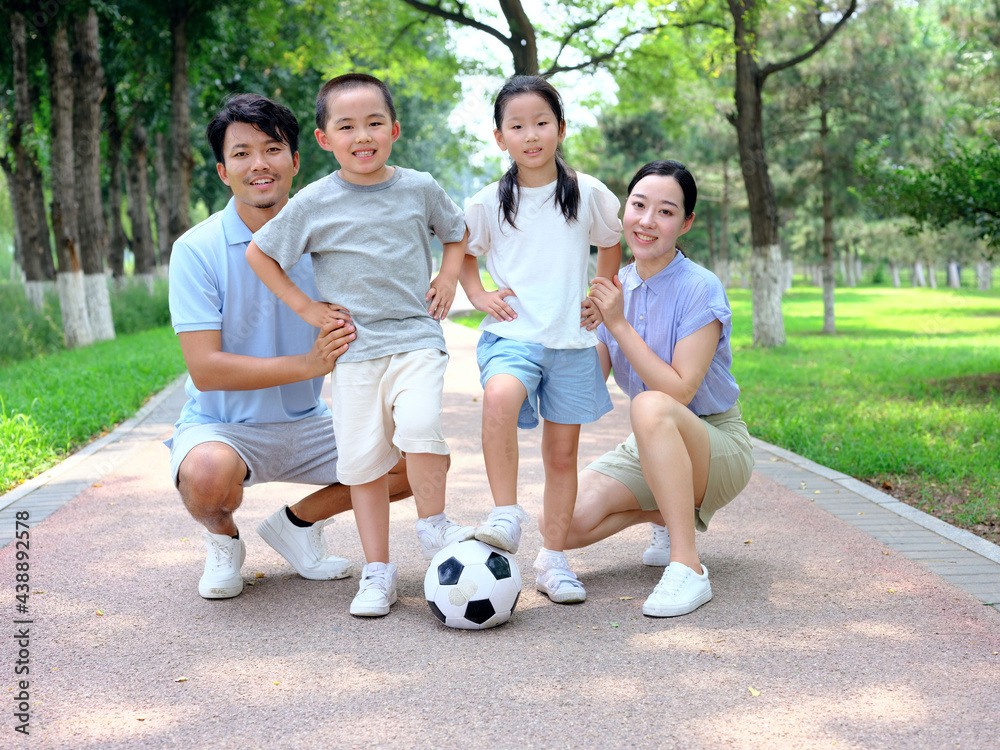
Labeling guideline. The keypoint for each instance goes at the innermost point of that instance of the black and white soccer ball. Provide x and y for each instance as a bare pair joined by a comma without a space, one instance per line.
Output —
471,585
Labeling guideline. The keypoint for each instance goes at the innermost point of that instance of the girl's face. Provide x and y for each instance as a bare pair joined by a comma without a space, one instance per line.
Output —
654,219
531,133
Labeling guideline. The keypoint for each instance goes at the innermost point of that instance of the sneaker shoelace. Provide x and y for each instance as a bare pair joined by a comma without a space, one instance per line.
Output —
316,539
375,578
223,553
672,581
660,537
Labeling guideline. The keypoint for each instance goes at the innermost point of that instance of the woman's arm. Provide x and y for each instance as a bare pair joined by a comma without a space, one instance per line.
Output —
691,358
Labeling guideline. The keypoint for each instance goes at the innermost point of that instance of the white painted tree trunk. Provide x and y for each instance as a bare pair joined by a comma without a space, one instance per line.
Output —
829,284
954,277
894,270
918,278
35,292
72,300
931,276
984,275
102,325
789,275
859,269
722,271
767,276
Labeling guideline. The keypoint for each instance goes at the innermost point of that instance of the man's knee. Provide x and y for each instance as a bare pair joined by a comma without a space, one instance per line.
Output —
209,473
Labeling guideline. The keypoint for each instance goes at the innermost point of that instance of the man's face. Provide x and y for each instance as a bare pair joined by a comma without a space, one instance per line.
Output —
258,168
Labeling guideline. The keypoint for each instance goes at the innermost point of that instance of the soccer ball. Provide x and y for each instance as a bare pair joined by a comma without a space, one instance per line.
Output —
471,585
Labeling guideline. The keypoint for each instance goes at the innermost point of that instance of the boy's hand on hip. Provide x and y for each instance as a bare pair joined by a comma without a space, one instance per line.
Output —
441,295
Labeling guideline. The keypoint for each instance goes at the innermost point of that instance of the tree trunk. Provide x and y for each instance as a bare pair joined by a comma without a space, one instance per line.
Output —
181,163
848,260
829,245
117,239
710,229
161,202
984,275
894,271
932,275
30,220
69,280
137,187
918,278
88,91
765,279
954,276
724,272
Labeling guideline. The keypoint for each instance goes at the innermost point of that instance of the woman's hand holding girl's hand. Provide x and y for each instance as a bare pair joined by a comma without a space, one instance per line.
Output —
590,315
493,304
607,297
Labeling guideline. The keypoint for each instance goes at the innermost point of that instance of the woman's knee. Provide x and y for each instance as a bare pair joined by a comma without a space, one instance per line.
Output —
654,410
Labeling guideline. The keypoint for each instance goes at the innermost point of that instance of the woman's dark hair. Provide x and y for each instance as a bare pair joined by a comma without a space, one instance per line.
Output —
269,117
567,195
670,168
346,82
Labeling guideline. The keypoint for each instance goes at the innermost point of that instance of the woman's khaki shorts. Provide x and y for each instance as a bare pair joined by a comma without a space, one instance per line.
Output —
728,471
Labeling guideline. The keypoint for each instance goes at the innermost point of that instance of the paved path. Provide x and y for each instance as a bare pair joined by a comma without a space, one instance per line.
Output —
841,617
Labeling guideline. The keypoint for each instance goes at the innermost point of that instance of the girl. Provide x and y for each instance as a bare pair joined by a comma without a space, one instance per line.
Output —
536,226
666,332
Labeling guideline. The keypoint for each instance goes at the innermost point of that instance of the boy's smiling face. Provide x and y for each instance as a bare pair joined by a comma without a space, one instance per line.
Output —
360,133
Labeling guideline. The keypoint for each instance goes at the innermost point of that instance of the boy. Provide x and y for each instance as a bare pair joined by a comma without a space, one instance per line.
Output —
368,228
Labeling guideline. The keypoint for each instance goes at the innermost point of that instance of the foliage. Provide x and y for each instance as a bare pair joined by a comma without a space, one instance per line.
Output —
53,405
962,184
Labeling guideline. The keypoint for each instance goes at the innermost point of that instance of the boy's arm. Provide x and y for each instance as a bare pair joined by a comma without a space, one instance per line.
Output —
274,277
442,292
213,369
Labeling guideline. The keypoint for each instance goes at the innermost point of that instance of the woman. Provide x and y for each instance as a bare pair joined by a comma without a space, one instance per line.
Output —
666,334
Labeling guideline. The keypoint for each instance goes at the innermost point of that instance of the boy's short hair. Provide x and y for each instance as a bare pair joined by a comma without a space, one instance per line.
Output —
346,82
269,117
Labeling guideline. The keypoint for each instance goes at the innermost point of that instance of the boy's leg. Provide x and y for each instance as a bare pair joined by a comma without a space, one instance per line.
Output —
371,511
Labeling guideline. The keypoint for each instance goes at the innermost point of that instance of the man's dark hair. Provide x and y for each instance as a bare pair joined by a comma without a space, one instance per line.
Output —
350,81
269,117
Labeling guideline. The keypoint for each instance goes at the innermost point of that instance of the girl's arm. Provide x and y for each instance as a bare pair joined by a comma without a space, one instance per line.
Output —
692,355
487,302
609,260
274,277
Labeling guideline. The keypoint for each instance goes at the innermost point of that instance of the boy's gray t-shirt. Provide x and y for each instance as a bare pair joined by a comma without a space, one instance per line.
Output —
371,252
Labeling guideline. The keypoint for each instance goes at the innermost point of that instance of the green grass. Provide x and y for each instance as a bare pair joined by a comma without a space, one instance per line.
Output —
54,404
907,393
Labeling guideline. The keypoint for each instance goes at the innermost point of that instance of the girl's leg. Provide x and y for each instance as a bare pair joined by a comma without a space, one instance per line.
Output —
502,399
560,444
371,511
674,451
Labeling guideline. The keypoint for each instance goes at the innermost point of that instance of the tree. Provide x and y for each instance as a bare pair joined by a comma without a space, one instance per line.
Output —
751,75
88,92
64,208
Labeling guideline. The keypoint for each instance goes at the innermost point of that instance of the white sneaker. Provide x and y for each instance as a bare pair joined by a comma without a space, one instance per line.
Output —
303,547
438,534
222,579
679,591
377,591
657,553
503,527
556,580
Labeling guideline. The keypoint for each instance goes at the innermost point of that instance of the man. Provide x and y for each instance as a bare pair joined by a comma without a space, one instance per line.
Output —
254,412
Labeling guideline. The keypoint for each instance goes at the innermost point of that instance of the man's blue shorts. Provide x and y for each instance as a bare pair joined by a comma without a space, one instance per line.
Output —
564,385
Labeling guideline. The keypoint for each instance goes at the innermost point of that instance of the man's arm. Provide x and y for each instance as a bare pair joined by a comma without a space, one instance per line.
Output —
212,369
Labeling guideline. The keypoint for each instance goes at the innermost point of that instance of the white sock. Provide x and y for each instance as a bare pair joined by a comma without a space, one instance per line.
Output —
548,559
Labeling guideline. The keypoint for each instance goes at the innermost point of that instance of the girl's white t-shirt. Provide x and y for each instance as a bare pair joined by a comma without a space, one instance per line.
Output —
544,260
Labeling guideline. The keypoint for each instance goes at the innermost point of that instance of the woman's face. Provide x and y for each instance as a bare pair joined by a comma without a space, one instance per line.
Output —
654,219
